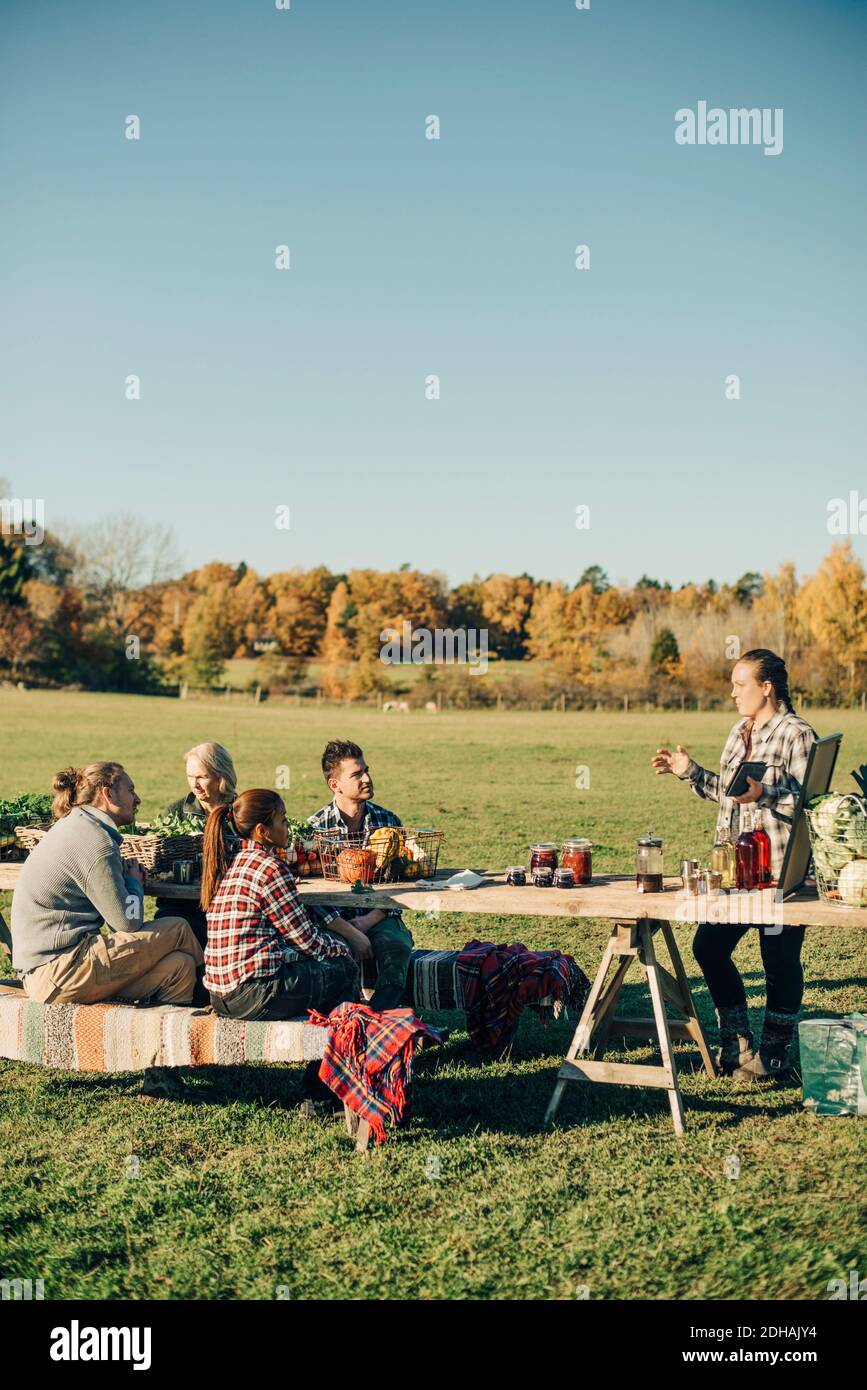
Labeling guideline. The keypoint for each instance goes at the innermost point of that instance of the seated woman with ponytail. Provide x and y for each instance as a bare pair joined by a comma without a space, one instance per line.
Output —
265,958
72,883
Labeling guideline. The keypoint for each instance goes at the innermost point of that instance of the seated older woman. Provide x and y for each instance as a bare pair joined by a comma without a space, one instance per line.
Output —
212,781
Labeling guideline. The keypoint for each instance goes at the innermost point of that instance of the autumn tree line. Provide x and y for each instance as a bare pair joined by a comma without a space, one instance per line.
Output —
105,610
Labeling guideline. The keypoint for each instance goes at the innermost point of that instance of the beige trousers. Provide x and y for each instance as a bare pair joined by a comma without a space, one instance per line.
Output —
157,963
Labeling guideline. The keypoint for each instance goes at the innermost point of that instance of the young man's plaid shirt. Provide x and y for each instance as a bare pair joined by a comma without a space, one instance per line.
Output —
256,919
784,743
330,818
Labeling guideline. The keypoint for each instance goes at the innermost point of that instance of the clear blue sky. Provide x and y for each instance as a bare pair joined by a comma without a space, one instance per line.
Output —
454,257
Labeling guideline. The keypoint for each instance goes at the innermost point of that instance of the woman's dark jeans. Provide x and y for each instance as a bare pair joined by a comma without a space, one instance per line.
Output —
300,985
781,957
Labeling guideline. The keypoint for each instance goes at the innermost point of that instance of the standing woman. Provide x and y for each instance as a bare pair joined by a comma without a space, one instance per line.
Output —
212,782
768,731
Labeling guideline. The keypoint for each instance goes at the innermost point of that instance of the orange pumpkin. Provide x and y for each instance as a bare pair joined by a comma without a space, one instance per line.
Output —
354,865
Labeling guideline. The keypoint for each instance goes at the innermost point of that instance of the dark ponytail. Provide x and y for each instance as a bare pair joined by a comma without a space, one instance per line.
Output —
256,807
770,667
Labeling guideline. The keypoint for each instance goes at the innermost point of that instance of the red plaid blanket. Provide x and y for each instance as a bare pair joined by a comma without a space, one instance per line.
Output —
500,981
368,1060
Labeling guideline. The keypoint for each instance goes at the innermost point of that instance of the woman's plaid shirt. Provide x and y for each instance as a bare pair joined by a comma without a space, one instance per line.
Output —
784,743
255,915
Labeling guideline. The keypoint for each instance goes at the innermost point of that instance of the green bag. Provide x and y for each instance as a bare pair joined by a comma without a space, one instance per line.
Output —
834,1064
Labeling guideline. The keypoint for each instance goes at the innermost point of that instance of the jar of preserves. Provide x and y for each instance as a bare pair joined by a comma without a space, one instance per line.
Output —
543,856
577,855
516,875
564,878
543,878
648,863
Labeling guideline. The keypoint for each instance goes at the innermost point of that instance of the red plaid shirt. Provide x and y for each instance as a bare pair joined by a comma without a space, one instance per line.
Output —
256,920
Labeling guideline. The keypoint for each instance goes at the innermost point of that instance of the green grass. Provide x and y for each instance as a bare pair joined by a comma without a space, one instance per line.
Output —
237,1196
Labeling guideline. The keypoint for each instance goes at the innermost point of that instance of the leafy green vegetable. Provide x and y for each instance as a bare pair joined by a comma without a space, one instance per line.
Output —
166,825
27,809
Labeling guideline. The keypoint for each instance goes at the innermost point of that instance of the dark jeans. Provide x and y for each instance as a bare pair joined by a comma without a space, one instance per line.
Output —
191,913
392,947
299,985
781,957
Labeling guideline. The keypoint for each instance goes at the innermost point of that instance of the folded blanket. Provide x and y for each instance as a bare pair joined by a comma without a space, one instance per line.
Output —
368,1060
500,981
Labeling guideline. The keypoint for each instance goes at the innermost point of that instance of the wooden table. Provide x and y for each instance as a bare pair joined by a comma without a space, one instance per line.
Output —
638,921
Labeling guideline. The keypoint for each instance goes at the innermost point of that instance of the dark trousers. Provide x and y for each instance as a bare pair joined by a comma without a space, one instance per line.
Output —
781,956
191,913
300,985
392,948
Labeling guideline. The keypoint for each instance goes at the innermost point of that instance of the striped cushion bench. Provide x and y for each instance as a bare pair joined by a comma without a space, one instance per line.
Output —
124,1037
115,1037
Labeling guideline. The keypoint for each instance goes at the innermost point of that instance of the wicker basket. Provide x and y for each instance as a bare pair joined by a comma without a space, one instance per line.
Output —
404,854
157,852
832,853
27,837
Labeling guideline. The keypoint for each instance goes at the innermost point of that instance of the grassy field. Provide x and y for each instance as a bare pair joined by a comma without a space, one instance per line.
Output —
233,1196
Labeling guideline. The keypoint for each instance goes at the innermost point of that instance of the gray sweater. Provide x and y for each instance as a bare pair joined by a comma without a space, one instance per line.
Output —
70,884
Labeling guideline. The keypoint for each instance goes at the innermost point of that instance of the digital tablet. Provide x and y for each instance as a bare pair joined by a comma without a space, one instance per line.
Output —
738,786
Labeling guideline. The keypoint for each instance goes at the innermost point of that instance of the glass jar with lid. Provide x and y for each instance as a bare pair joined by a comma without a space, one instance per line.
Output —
648,863
577,855
543,856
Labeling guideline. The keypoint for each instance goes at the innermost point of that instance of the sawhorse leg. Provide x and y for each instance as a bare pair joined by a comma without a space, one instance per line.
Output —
628,940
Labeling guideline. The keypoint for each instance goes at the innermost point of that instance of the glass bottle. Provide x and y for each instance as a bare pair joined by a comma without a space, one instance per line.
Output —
764,845
722,861
747,856
648,864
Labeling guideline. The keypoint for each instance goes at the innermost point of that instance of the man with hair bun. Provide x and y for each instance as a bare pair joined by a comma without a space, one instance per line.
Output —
75,881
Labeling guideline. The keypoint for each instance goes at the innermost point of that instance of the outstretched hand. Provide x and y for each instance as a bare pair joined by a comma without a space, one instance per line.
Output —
665,761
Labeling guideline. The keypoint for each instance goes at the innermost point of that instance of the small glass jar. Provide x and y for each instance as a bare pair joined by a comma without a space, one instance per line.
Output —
543,856
543,878
577,855
648,864
516,875
564,878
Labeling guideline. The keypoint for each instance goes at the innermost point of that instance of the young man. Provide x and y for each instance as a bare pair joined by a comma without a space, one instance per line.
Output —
354,812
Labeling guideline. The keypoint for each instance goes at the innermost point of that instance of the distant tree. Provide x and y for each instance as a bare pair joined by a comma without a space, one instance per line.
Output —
833,607
596,577
748,587
664,653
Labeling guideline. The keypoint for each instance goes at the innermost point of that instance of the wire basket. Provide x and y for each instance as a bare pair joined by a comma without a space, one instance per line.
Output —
391,854
838,839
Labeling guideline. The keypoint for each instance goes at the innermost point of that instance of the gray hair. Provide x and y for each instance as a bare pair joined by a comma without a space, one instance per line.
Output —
216,760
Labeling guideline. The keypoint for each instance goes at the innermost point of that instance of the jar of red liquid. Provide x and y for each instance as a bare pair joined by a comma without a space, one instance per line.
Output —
764,845
543,856
577,855
748,864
